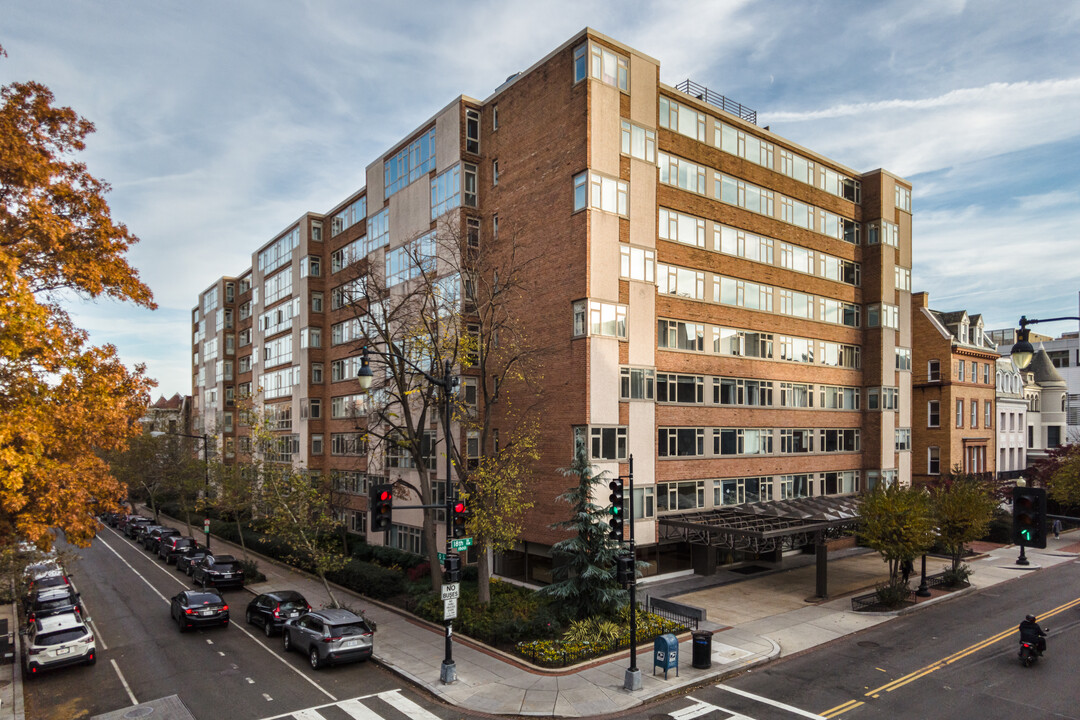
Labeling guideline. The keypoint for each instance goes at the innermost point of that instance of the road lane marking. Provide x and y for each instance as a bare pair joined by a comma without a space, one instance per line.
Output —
139,574
768,701
406,706
943,662
284,662
268,698
124,682
353,707
97,634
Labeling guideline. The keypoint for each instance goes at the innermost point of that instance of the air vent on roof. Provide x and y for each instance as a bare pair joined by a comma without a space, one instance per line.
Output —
509,79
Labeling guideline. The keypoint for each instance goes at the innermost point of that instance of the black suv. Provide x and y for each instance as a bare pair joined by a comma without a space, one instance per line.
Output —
329,636
170,548
133,525
272,609
186,563
153,537
218,571
57,600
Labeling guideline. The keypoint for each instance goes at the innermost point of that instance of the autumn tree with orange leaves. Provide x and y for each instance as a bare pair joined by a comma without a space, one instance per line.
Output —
63,402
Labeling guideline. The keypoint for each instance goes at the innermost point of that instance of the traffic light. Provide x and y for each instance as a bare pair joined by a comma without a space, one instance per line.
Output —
624,569
381,504
459,516
1029,516
453,567
616,498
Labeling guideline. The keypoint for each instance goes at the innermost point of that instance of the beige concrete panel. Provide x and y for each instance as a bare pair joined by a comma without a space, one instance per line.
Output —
410,212
448,137
644,529
376,189
888,439
603,381
904,256
641,323
904,384
904,299
903,474
604,129
604,256
644,76
643,210
641,442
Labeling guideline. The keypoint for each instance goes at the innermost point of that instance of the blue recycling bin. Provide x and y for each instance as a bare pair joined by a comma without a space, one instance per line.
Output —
666,654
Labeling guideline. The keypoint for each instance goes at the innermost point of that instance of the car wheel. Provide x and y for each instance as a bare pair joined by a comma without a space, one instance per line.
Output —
180,624
248,617
268,628
286,641
314,657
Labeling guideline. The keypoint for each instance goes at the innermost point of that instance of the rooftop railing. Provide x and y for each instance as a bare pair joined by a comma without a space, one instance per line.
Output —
726,104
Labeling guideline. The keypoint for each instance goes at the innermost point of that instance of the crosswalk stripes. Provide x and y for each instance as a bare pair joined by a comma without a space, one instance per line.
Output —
362,708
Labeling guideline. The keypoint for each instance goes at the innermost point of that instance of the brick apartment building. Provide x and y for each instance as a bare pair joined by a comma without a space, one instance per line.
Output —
727,307
954,389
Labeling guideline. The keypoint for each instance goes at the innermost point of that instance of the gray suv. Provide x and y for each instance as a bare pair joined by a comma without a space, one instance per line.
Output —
329,636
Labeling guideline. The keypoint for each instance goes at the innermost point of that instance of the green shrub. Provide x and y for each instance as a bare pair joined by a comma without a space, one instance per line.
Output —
958,577
893,594
595,637
369,579
252,574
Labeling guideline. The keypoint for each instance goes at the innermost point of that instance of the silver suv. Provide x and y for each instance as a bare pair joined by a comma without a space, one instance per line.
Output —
56,641
329,636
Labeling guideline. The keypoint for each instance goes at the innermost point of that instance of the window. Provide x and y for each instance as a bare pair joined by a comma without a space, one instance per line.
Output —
974,413
682,282
959,413
681,442
494,172
495,225
316,302
279,253
749,197
688,495
638,142
685,229
636,383
903,198
960,370
933,461
733,241
609,68
903,358
607,443
470,186
446,191
604,319
682,173
903,439
316,444
903,278
494,117
602,193
411,162
354,213
933,371
988,413
736,142
680,388
580,62
682,119
378,230
472,131
986,373
796,441
347,444
316,373
311,267
637,263
677,335
883,315
644,502
348,406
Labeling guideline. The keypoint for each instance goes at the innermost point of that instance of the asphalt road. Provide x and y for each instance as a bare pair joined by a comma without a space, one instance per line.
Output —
234,672
955,660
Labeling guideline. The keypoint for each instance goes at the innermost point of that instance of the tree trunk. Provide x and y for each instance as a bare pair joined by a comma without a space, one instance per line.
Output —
187,519
483,575
240,532
326,584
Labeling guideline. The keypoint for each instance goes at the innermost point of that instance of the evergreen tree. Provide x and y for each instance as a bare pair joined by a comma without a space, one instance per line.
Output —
584,564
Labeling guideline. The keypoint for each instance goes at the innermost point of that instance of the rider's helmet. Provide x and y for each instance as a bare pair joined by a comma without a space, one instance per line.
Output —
1030,618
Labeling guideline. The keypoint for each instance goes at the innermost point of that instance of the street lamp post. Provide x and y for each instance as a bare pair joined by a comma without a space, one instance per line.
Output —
1022,351
448,671
206,476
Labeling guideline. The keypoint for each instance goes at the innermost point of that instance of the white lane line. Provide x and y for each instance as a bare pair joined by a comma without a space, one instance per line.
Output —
268,698
134,570
249,681
774,703
406,706
358,711
124,682
97,634
283,661
235,625
346,705
308,715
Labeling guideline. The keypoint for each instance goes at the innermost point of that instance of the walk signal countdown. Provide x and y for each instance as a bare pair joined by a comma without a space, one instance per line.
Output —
1029,517
381,504
616,498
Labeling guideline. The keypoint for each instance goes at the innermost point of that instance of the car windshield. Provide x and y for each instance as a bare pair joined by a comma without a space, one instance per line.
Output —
53,603
203,599
58,637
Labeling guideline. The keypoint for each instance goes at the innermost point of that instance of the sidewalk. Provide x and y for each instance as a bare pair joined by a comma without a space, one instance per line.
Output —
754,620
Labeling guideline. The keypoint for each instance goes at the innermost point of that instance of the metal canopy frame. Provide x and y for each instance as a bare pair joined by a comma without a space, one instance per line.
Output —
763,527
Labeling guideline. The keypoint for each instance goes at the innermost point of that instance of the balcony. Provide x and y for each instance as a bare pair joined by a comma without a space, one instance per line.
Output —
726,104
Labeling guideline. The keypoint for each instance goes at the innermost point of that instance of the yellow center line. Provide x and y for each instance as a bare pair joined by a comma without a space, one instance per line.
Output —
938,664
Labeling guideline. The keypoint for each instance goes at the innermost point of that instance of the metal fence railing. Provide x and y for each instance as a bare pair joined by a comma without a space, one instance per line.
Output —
869,600
713,98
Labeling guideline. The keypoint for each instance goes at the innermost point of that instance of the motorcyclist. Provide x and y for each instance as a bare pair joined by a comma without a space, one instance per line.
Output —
1032,633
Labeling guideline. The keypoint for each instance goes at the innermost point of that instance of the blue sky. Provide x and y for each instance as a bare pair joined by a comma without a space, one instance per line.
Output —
219,123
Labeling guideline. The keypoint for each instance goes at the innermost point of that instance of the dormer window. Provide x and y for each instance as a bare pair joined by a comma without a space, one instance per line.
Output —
963,334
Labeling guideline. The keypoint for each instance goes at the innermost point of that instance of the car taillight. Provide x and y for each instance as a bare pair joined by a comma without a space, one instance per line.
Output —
367,634
277,611
35,650
331,639
309,608
189,611
31,617
88,639
225,608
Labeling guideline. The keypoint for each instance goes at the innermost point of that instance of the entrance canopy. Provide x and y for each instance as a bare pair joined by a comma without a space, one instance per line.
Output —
763,527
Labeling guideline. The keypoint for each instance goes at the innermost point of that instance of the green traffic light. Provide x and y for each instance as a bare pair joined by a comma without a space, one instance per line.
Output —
615,510
1027,534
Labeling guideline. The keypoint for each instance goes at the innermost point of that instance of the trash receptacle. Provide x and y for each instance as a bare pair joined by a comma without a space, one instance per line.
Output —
702,649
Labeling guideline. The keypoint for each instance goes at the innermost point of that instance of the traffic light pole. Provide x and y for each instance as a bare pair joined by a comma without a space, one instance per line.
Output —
448,672
632,679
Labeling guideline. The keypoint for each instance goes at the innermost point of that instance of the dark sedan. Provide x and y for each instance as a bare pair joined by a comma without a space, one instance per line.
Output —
135,524
198,608
171,548
186,563
154,536
218,571
271,610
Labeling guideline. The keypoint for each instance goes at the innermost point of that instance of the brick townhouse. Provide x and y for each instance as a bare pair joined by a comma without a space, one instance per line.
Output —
731,309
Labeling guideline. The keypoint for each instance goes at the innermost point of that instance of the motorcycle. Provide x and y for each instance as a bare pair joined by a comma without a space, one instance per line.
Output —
1029,652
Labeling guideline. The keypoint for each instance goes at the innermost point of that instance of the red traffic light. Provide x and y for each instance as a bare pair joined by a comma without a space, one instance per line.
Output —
384,495
459,507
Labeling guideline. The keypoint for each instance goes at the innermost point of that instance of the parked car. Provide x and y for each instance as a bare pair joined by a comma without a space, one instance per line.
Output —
45,575
171,548
198,608
186,563
53,601
154,536
218,571
329,636
56,641
271,610
134,525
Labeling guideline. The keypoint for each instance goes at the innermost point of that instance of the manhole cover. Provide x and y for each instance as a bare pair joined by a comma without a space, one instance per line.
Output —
139,712
867,644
